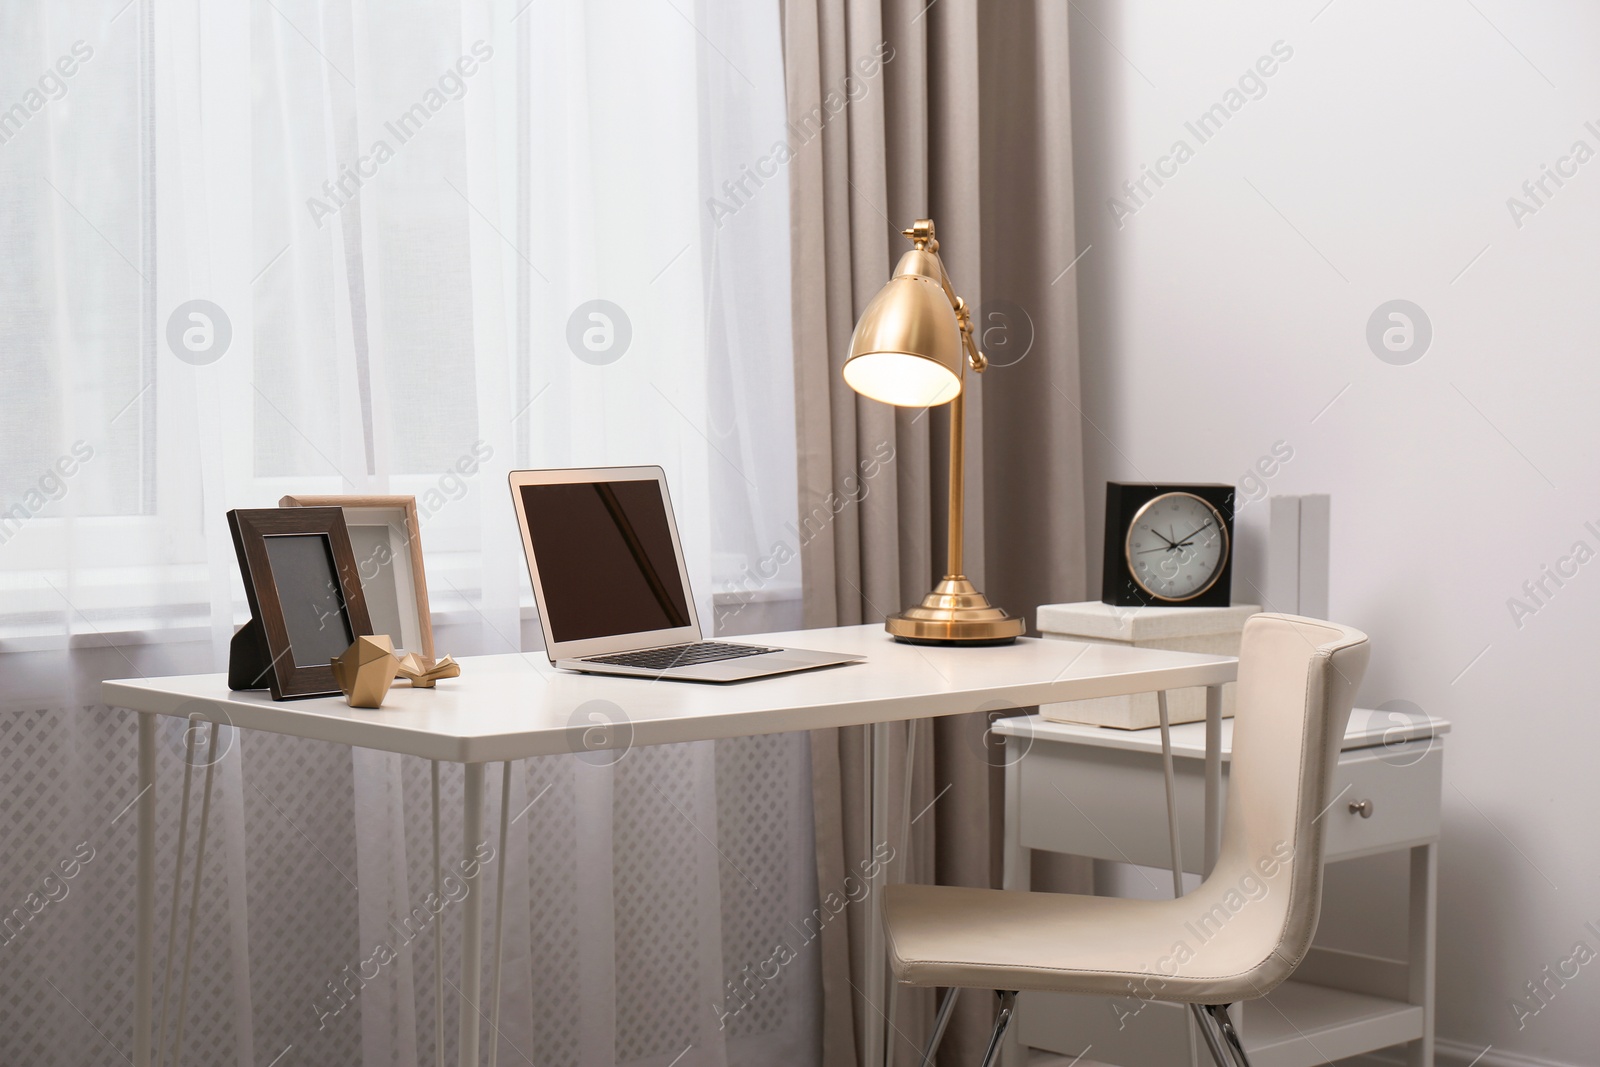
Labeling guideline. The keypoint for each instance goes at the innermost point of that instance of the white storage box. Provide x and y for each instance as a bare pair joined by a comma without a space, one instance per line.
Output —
1213,630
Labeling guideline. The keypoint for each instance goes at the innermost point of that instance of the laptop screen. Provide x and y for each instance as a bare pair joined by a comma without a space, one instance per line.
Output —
605,558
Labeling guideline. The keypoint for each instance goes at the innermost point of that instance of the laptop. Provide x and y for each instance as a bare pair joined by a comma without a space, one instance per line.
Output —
613,593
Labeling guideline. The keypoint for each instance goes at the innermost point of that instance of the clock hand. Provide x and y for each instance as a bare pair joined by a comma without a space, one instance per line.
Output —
1197,529
1144,551
1170,543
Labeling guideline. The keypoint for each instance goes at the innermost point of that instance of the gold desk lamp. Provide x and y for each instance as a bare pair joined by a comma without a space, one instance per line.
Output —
911,349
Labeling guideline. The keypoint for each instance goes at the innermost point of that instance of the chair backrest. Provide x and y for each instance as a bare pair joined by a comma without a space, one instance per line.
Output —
1297,680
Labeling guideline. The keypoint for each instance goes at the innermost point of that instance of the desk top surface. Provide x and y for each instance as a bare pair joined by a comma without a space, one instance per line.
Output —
517,706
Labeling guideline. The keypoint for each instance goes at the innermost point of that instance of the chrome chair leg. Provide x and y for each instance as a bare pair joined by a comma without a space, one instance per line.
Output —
940,1021
1208,1030
1230,1034
1008,1005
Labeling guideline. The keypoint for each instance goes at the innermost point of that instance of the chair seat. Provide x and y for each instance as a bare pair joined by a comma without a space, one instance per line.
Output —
1147,949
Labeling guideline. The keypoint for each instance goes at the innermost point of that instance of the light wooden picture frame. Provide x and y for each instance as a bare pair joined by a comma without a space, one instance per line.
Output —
386,535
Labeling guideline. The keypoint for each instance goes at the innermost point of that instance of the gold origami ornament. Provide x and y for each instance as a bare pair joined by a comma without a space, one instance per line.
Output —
365,670
425,675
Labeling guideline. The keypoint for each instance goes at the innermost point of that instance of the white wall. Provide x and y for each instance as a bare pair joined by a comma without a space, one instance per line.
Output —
1229,310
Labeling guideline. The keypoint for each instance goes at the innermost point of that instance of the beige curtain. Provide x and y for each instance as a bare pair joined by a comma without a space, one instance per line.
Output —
957,111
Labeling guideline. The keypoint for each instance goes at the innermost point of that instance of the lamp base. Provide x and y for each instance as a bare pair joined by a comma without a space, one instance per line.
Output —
955,613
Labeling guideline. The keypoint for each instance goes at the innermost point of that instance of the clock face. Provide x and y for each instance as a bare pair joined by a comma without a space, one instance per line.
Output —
1177,546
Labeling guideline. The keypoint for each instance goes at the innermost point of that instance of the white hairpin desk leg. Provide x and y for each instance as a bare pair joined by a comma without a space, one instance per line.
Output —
471,917
177,893
1213,834
499,915
1172,795
145,893
902,868
875,1029
438,929
1173,838
194,901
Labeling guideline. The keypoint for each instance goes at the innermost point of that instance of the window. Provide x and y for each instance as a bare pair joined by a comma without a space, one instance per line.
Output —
403,255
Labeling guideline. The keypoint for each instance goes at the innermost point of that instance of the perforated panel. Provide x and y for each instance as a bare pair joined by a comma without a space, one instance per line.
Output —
66,974
551,829
656,845
301,864
68,774
755,783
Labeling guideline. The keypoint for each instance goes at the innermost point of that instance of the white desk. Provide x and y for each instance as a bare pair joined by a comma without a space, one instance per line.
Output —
506,708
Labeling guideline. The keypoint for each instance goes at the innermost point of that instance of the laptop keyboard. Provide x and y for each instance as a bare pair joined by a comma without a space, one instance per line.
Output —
657,659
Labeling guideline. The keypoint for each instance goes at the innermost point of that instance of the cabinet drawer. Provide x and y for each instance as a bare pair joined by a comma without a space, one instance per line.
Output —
1110,804
1402,785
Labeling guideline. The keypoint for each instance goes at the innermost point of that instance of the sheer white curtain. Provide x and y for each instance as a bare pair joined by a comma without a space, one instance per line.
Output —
430,242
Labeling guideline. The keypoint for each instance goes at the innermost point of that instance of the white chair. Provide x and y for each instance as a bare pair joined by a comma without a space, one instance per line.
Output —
1235,937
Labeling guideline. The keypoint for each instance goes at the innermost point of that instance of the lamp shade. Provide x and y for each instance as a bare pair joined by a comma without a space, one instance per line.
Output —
906,349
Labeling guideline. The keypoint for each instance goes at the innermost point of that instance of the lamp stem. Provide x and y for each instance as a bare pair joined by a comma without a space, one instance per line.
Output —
958,451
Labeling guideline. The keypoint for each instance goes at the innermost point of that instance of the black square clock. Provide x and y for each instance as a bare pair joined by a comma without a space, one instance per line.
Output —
1168,545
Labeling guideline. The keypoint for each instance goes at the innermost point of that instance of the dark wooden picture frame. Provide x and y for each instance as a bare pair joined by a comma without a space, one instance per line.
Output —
263,654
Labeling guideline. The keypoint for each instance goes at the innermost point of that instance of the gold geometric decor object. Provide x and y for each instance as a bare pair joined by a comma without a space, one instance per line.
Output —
424,675
365,670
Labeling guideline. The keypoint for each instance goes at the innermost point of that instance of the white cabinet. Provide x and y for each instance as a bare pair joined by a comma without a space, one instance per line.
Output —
1098,792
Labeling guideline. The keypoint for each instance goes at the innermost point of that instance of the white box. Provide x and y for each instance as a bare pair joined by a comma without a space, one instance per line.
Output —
1212,630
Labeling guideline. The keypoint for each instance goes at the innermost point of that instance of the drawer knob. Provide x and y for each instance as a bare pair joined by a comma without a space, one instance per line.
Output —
1362,808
